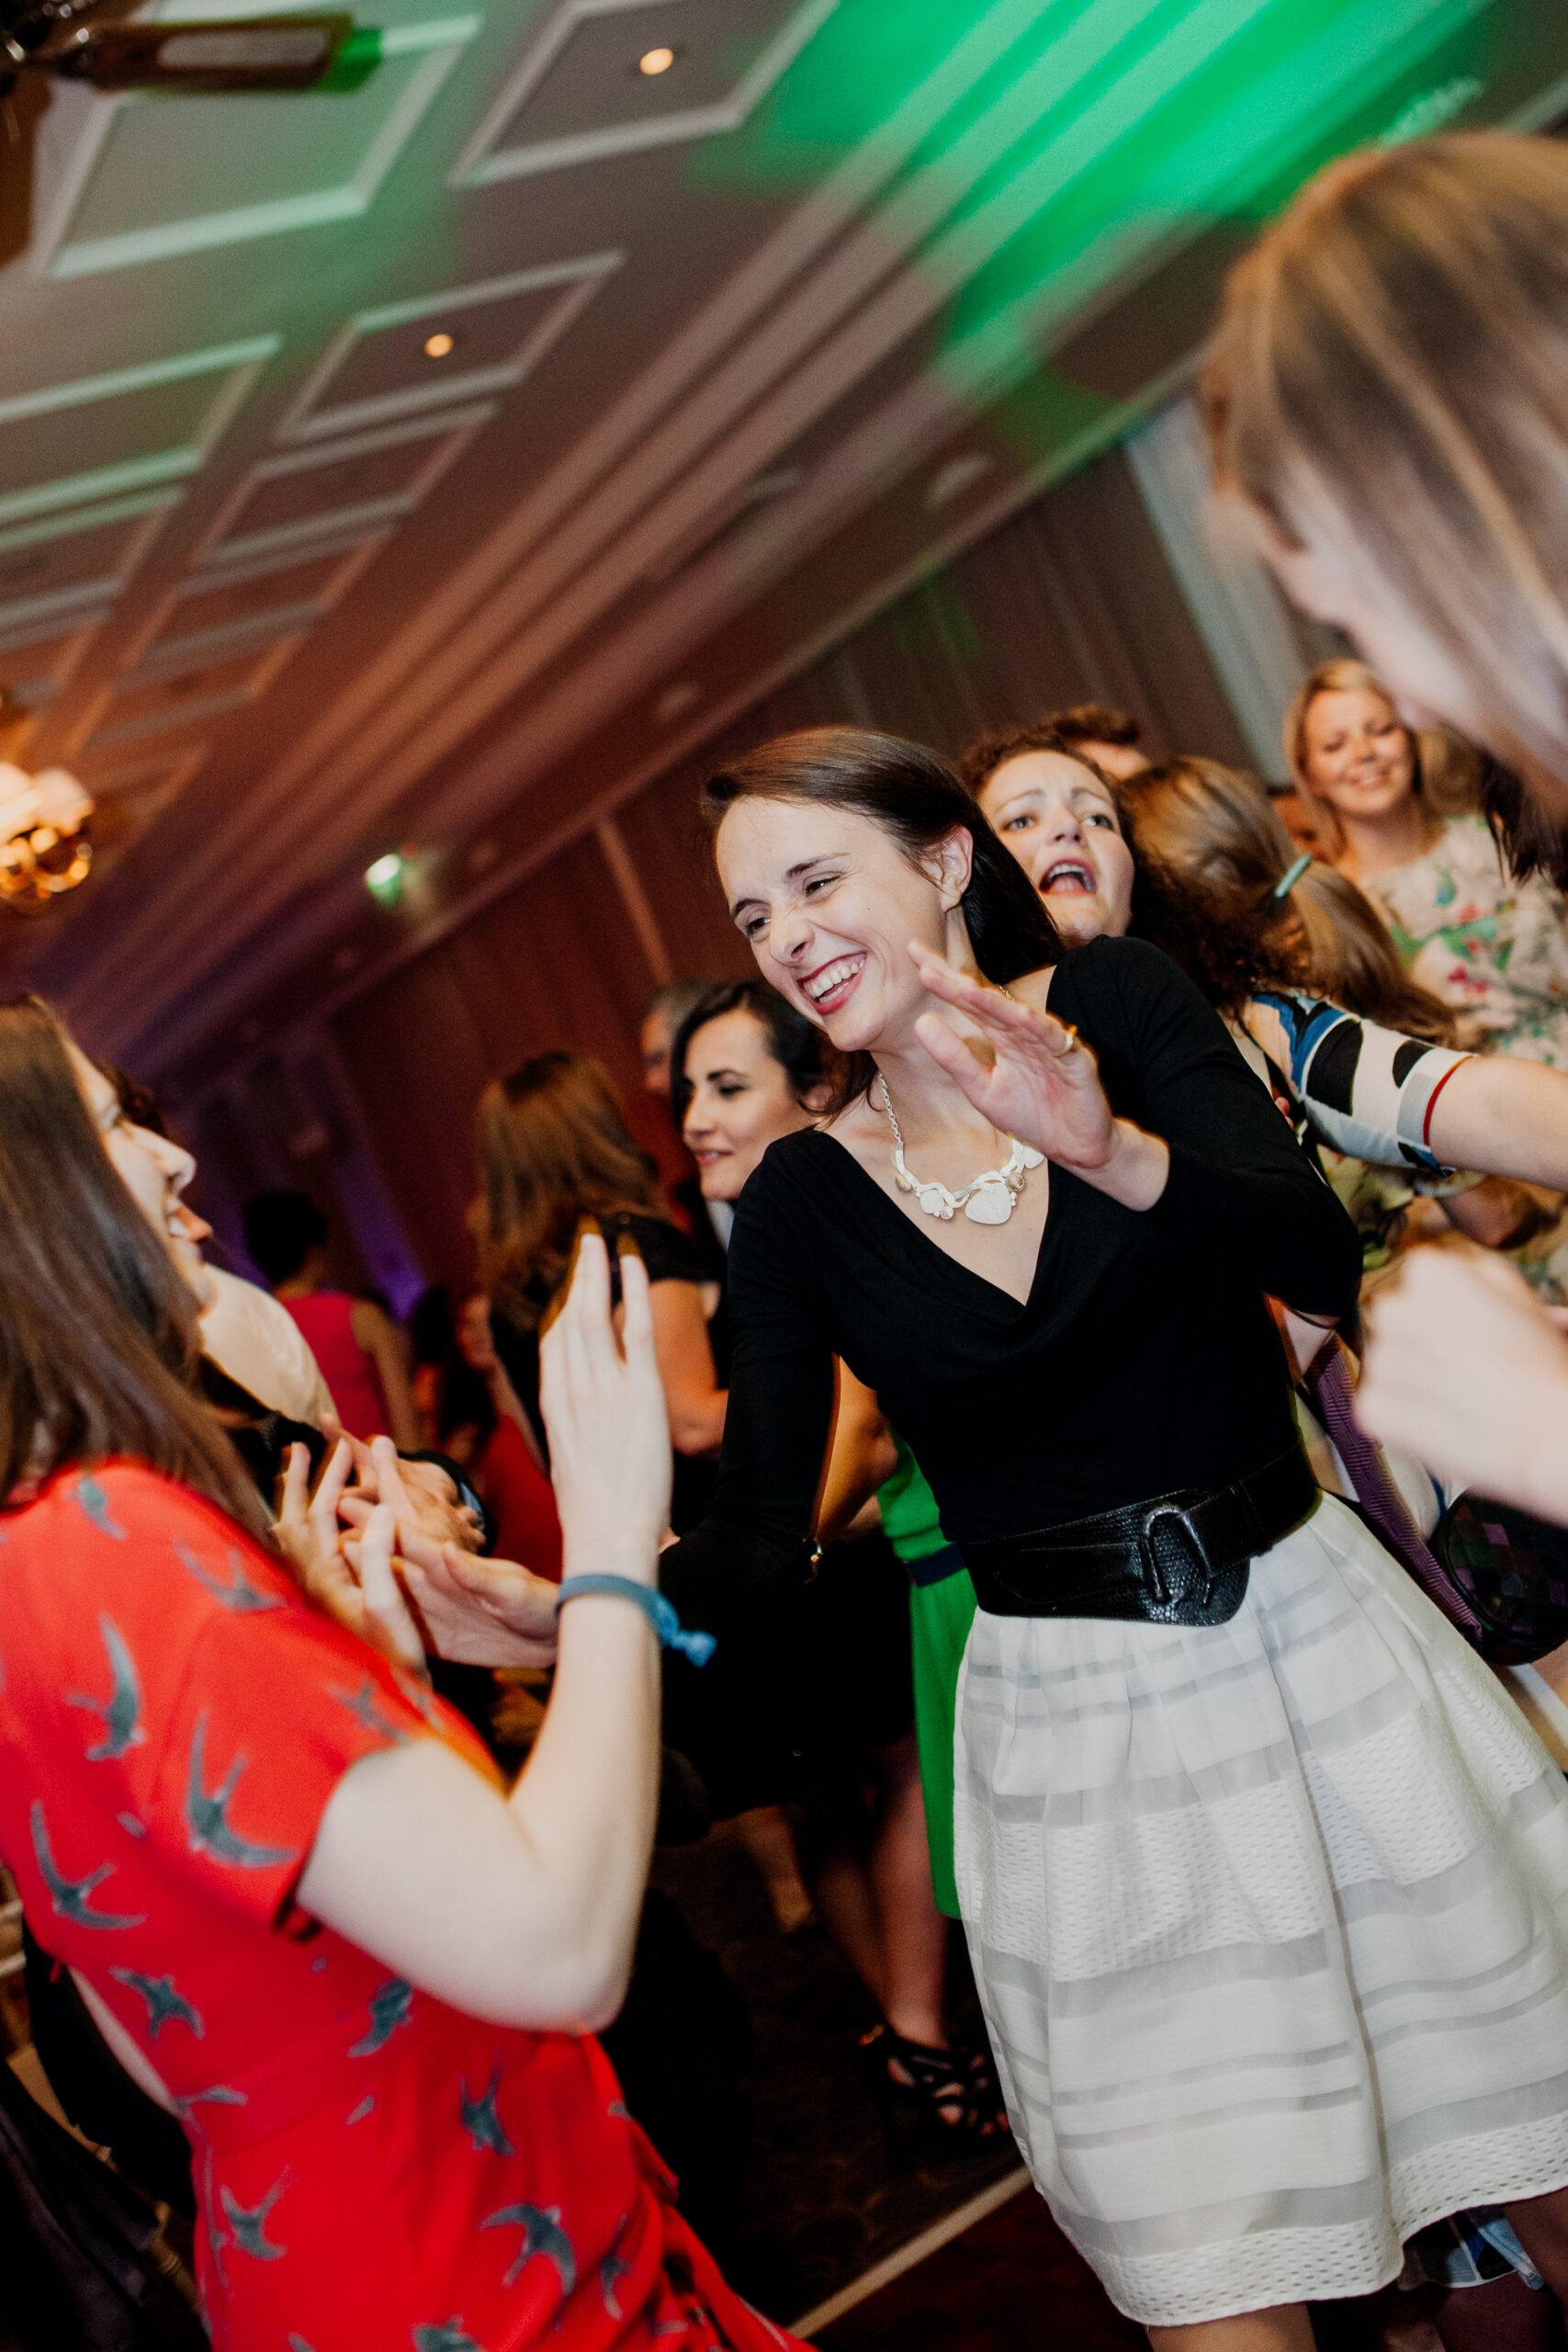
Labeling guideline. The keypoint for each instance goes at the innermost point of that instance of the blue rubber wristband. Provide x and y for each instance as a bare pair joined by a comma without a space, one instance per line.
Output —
660,1613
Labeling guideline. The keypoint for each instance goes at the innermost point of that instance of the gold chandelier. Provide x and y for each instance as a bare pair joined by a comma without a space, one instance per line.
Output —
44,848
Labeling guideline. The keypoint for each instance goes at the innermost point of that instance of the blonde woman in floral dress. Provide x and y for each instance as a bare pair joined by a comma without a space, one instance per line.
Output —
1491,946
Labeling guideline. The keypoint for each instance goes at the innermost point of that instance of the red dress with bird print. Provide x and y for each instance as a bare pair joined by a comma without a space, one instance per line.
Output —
376,2172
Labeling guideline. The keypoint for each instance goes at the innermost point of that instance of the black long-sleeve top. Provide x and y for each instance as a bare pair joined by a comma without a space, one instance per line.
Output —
1143,1359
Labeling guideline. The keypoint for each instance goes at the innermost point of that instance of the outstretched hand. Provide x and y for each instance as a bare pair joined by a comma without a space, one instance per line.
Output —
475,1612
1465,1370
1040,1083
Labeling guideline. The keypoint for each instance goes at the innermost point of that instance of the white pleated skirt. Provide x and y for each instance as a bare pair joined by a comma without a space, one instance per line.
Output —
1271,1926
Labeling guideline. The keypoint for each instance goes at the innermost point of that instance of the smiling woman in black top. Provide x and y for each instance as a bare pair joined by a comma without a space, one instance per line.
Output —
1260,1869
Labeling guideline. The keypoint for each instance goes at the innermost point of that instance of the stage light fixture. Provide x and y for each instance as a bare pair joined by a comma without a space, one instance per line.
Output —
317,51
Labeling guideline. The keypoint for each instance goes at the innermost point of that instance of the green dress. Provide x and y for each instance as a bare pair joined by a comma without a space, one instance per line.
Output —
942,1609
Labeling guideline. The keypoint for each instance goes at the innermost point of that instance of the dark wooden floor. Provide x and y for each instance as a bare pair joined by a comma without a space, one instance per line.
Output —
1008,2284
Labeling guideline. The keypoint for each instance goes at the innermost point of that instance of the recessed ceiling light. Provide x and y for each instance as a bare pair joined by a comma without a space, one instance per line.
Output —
436,346
656,61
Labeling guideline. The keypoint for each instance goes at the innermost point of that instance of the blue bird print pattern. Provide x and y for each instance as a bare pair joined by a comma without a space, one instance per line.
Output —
239,1593
207,1814
165,2005
220,2095
451,2337
612,2270
361,1705
68,1897
120,1714
390,2005
542,2234
247,2224
480,2121
91,1499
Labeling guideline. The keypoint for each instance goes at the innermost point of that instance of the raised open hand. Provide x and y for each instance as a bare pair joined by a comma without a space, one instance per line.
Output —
606,1419
1039,1084
309,1531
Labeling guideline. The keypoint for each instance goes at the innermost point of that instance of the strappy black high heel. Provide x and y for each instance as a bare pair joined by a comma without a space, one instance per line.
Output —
945,2099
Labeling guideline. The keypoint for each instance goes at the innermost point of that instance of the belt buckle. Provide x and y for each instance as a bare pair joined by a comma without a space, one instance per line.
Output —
1150,1520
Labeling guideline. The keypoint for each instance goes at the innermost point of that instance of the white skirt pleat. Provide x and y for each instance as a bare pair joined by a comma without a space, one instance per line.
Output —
1270,1924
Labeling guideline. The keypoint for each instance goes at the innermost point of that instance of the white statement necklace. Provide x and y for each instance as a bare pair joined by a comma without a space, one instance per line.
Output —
988,1201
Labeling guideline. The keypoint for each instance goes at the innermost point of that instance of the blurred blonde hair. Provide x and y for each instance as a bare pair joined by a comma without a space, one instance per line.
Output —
1389,383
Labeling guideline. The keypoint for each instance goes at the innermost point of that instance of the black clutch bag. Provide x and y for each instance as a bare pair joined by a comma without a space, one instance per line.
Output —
1512,1571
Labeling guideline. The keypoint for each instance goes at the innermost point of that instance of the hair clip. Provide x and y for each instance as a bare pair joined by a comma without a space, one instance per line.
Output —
1291,876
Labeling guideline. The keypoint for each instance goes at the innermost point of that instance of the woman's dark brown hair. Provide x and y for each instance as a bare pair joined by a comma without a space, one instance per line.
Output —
913,795
801,1050
554,1147
98,1344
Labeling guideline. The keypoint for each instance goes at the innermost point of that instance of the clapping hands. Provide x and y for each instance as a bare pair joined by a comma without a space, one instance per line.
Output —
387,1557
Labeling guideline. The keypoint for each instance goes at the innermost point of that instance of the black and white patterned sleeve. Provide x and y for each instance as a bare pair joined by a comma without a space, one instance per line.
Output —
1368,1091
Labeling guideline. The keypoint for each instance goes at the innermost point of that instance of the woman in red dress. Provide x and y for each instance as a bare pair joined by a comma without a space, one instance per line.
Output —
293,1895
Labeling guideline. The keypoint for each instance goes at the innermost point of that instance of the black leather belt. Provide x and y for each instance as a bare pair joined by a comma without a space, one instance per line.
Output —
1180,1559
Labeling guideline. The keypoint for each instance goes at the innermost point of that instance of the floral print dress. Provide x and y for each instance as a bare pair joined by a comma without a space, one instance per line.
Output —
1496,949
1486,944
375,2171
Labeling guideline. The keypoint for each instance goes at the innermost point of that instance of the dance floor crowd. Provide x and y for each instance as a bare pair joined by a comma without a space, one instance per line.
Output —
1068,1484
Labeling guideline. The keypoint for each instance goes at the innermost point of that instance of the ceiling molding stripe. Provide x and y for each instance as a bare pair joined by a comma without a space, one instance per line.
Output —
63,603
365,539
156,722
166,465
579,279
483,163
56,674
236,363
350,561
91,518
289,541
194,709
361,445
170,657
250,354
437,45
450,434
173,770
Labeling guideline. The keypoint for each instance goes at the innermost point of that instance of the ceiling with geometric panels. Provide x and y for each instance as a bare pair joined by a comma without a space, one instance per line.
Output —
365,456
